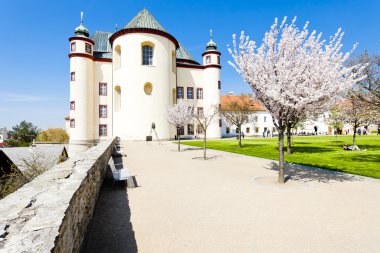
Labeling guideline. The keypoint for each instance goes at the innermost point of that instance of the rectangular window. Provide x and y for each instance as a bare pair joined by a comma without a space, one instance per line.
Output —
73,47
72,76
102,111
147,55
72,105
208,59
179,92
227,130
88,48
191,109
265,119
181,131
72,123
220,123
199,93
256,130
200,111
219,60
199,129
219,85
247,130
102,130
256,119
102,89
190,129
190,92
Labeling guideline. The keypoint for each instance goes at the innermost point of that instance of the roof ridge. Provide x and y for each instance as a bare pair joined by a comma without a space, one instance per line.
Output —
144,19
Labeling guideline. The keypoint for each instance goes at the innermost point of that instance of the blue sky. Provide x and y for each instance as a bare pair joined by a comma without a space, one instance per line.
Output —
34,44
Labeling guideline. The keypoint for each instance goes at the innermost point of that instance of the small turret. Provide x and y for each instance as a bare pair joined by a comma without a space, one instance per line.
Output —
211,56
81,30
211,45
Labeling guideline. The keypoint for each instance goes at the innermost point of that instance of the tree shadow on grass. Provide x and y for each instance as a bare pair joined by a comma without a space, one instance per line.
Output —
360,157
308,173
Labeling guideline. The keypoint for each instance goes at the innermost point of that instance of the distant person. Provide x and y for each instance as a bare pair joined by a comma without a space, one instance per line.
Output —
264,133
242,134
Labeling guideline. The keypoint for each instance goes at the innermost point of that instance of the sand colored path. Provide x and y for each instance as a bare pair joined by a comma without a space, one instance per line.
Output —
230,204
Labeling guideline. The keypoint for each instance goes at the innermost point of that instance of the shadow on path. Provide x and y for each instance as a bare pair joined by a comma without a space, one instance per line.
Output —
111,229
308,173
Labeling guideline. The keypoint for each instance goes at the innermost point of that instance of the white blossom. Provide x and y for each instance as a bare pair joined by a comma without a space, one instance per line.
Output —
294,72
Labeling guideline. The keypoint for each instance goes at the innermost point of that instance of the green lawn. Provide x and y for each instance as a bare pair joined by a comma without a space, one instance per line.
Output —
318,151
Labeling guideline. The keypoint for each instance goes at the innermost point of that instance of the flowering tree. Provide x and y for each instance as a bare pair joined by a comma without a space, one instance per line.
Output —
204,119
293,71
178,115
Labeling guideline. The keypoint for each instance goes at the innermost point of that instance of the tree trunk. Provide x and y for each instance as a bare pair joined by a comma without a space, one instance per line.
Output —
179,143
204,146
179,140
281,163
354,136
289,136
240,136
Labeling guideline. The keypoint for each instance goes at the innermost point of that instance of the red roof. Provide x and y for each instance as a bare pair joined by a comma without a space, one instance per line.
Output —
256,105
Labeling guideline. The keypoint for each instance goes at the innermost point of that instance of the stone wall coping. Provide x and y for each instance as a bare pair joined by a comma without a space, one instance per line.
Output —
31,219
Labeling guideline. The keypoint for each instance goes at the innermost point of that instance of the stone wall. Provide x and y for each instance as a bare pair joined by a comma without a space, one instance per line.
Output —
51,213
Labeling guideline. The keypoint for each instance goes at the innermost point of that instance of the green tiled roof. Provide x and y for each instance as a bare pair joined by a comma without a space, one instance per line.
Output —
182,53
144,20
101,40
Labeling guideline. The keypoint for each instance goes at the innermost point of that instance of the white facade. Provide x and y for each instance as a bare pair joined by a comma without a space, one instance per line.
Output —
260,124
123,82
3,134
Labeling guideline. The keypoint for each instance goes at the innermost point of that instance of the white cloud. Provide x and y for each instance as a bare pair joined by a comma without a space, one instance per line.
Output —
12,97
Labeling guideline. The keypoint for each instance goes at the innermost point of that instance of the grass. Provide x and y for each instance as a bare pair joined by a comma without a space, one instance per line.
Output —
318,151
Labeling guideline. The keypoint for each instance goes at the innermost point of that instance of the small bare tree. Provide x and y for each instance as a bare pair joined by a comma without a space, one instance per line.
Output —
355,112
178,115
204,119
36,164
237,111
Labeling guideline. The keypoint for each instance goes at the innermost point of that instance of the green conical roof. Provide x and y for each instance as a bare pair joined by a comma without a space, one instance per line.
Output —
144,20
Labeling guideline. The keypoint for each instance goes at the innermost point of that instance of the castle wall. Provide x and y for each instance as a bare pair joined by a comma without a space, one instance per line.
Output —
102,74
139,110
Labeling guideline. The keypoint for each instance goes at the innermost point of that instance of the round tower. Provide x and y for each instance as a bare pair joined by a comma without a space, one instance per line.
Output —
212,85
143,78
81,90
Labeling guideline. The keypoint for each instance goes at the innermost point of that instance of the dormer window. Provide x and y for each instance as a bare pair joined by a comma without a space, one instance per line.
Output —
208,59
147,55
88,48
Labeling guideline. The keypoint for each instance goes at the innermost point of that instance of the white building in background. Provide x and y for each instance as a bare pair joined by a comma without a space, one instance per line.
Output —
261,122
124,81
3,134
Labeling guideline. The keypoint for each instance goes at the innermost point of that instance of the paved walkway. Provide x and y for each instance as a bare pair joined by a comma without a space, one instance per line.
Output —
231,203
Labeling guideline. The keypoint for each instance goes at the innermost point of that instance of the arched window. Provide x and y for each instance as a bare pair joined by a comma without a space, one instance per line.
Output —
147,53
117,101
117,57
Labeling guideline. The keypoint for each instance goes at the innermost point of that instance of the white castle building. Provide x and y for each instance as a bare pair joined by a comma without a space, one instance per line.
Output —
122,82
